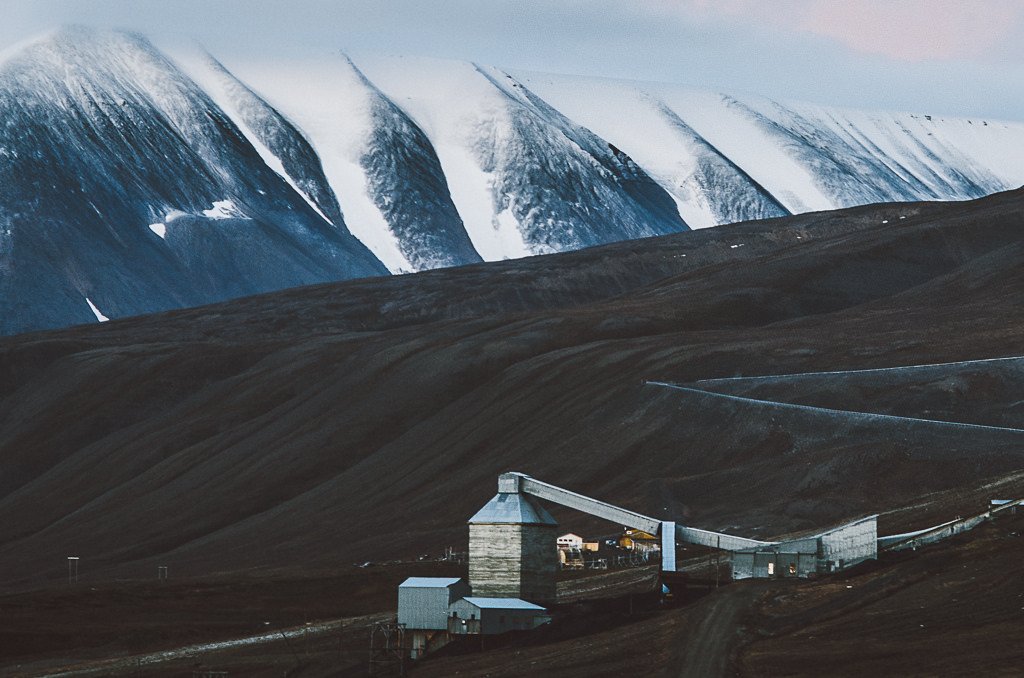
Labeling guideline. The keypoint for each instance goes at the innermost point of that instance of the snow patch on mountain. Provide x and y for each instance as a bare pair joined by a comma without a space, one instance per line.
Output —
495,236
96,312
223,209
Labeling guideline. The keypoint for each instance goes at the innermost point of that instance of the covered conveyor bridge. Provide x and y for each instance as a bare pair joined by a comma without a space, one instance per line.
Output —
669,532
511,540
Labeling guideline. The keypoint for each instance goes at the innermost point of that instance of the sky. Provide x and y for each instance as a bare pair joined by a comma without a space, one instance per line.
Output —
947,57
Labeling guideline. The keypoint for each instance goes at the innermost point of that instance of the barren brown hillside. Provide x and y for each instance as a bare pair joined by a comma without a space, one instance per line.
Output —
324,426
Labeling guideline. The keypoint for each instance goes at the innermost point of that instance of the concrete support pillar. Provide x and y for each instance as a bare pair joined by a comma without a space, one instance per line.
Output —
668,546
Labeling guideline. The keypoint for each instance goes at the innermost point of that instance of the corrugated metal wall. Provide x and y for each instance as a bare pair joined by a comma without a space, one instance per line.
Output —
783,565
427,607
499,620
836,549
850,544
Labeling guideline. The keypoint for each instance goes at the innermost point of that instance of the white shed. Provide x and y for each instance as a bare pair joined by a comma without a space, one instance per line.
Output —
570,541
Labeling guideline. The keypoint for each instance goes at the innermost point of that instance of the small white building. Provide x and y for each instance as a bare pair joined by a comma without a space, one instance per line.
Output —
570,541
491,616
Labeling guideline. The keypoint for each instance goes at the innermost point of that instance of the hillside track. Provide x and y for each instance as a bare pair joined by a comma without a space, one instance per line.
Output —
709,650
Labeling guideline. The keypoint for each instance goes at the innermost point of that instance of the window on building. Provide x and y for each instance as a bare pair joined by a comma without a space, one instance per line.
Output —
771,569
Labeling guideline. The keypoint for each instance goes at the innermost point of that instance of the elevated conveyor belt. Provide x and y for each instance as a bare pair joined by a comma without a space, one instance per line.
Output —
520,482
579,502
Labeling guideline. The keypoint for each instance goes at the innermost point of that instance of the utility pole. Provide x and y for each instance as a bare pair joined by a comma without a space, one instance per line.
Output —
718,562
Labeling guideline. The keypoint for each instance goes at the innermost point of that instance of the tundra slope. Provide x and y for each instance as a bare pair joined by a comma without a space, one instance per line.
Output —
136,180
271,431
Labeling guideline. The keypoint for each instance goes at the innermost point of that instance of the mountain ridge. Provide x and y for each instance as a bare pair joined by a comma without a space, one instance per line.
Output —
164,178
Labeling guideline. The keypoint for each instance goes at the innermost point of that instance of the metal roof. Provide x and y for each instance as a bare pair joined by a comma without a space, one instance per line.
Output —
429,582
513,508
844,526
502,603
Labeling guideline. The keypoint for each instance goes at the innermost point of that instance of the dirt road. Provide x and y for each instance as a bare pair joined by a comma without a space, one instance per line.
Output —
705,651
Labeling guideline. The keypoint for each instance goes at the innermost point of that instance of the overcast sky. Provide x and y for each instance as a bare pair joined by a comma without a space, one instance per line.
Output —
930,56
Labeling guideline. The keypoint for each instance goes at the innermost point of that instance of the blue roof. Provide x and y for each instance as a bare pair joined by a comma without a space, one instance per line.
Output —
429,582
502,603
512,508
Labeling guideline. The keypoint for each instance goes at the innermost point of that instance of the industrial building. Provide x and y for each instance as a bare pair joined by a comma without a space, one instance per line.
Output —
512,548
573,549
638,540
830,551
514,554
423,604
433,610
511,554
489,616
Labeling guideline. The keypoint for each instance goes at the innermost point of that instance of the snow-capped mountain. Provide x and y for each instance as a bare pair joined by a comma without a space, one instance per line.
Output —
124,189
372,152
527,179
772,158
134,179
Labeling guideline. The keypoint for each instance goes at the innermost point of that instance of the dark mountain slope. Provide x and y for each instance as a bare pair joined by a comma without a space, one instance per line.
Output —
408,186
369,419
